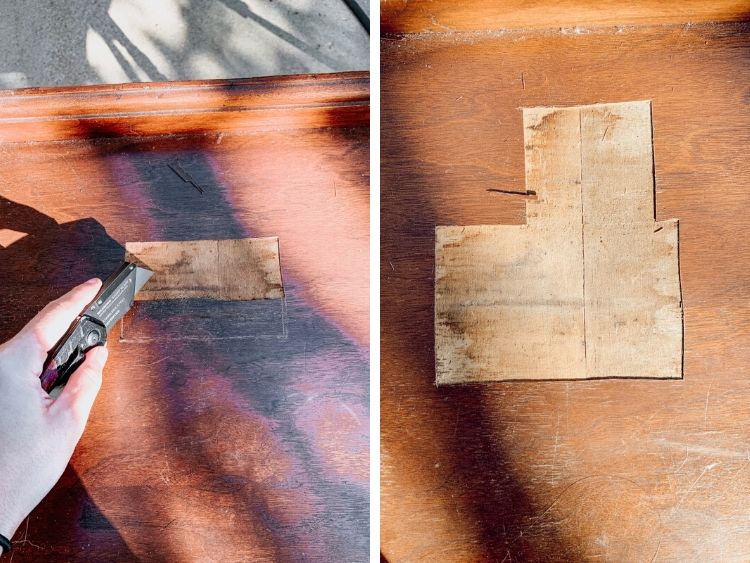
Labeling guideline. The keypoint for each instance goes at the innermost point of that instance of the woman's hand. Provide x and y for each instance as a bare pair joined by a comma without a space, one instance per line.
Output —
37,432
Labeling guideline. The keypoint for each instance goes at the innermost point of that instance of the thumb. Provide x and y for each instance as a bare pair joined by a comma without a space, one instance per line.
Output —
79,393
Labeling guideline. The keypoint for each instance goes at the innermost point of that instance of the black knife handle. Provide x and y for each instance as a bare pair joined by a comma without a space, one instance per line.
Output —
83,335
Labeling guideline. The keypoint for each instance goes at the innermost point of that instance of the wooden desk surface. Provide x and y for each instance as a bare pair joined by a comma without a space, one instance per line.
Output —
566,471
245,442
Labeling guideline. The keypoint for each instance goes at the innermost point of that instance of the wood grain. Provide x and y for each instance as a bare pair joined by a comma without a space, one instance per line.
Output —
613,470
207,106
589,287
203,446
419,16
226,270
631,289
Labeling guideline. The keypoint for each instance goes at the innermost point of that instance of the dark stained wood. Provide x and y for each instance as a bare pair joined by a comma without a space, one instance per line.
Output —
418,16
566,471
223,432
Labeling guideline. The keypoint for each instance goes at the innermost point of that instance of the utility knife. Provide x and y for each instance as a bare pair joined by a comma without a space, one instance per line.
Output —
91,327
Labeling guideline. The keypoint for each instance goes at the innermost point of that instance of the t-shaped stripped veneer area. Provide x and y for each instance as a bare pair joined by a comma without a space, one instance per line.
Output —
589,287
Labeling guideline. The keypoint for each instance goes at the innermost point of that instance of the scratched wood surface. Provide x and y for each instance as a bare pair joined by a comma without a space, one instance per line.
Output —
224,431
614,470
589,286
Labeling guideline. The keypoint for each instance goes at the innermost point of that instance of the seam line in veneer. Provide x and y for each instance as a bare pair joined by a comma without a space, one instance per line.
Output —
583,240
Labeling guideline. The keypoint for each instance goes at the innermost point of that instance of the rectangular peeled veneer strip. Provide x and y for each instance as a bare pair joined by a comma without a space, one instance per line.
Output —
227,270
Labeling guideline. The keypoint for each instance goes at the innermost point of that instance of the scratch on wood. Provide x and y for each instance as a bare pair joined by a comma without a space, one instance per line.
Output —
25,539
658,547
164,359
512,192
184,176
702,450
705,410
684,461
707,468
351,412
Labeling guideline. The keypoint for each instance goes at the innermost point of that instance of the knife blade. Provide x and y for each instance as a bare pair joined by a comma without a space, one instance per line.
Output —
91,327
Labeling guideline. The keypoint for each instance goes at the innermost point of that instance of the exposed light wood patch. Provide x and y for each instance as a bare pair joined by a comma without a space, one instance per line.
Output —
589,287
229,270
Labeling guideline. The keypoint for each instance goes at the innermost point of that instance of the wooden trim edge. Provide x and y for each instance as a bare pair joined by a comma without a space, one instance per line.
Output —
400,18
207,106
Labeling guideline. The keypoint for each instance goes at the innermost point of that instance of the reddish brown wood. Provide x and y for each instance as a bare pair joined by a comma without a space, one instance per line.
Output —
208,106
417,16
203,446
554,471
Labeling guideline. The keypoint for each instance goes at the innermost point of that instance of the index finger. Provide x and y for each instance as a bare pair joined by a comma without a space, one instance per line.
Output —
50,324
